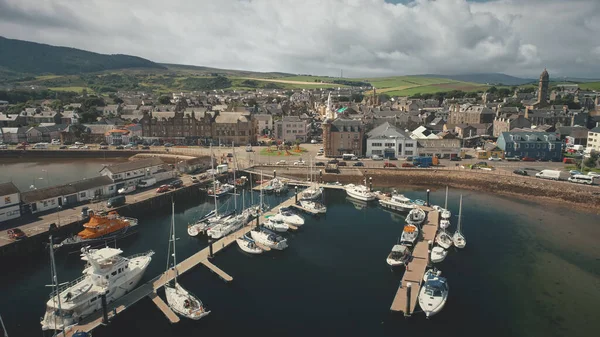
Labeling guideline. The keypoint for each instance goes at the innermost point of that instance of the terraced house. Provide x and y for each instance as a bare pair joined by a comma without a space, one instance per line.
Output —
537,145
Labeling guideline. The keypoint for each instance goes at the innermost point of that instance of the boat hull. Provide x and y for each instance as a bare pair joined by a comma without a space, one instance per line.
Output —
245,247
396,206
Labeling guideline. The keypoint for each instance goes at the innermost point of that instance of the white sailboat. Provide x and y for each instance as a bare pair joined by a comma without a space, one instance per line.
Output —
269,238
438,254
276,225
313,206
248,245
179,299
313,192
433,294
444,239
289,217
458,238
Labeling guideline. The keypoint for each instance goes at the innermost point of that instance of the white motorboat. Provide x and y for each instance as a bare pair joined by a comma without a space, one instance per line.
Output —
276,225
458,238
248,245
444,223
431,273
410,234
179,299
219,189
106,272
400,255
278,186
433,295
313,206
438,254
312,193
269,238
444,239
397,202
360,192
289,217
416,216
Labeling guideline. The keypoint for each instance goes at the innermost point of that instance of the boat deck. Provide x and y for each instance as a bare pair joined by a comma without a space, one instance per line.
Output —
417,266
149,289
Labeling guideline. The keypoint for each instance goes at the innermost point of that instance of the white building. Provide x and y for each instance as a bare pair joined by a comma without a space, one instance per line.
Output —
388,141
264,123
10,207
423,133
134,171
290,128
594,139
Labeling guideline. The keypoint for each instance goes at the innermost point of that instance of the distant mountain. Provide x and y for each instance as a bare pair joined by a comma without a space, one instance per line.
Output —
36,58
223,72
489,78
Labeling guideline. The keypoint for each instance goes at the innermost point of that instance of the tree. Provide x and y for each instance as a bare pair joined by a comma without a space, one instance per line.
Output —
164,100
492,90
118,100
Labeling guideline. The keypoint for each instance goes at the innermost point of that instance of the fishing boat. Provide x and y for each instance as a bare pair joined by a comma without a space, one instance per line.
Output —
313,206
106,273
179,299
359,192
458,238
289,217
416,216
438,254
400,255
277,225
433,295
444,239
248,245
269,238
278,185
409,236
100,228
397,202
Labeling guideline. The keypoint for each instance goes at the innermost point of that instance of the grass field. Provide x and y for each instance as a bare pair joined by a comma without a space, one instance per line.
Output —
47,77
590,86
75,89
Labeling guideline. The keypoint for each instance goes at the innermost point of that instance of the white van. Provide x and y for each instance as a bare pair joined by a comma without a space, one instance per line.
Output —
222,168
583,179
147,182
40,146
552,174
55,142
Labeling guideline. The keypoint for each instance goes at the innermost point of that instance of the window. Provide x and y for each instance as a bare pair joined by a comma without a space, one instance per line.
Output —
82,195
288,131
527,145
45,203
376,144
408,153
410,145
389,144
538,146
7,200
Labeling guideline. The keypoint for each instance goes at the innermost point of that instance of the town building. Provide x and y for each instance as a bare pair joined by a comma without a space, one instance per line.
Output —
593,140
573,135
290,129
10,203
537,145
342,136
388,141
264,124
14,120
130,173
177,127
442,148
117,137
507,122
234,128
470,114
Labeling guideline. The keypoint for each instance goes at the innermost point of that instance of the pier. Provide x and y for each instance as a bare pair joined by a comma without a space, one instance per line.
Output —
405,300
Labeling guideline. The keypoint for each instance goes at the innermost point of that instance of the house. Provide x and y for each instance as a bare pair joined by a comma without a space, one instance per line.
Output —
593,140
69,117
470,114
111,110
178,127
132,172
390,142
442,148
234,127
342,136
506,122
573,135
117,137
37,116
53,197
290,129
538,145
14,135
13,120
10,203
264,124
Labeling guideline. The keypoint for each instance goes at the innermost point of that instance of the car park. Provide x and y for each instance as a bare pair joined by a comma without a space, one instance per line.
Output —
342,163
16,234
176,184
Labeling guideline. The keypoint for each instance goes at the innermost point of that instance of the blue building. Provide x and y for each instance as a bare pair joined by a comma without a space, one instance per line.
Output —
537,145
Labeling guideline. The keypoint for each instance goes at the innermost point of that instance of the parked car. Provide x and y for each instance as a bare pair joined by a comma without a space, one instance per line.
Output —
55,142
103,143
176,183
16,234
116,201
313,141
455,158
389,165
79,143
145,147
520,172
512,159
409,158
333,161
195,180
168,145
85,147
342,163
528,159
281,162
594,174
319,163
229,155
574,172
407,165
376,157
155,144
119,147
74,147
358,163
3,146
162,189
299,162
494,159
62,147
103,147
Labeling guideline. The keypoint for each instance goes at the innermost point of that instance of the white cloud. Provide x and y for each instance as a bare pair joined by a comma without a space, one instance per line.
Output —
363,37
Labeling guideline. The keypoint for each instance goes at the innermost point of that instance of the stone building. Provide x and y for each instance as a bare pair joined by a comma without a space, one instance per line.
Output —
342,136
290,129
470,114
234,127
179,127
507,122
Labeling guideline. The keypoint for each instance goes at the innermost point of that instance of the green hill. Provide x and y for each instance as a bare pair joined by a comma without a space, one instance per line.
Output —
35,58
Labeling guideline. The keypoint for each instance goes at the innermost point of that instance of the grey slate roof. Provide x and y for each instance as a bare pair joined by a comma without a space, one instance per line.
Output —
64,190
387,130
8,188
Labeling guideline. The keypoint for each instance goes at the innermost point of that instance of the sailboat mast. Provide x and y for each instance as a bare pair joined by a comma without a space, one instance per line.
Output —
173,239
55,282
261,194
234,185
3,327
212,169
459,214
446,203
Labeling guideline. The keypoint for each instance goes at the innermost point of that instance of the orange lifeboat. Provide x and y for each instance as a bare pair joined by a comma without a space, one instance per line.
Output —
101,225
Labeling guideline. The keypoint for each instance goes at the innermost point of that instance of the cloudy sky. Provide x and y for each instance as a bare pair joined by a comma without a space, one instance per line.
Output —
362,37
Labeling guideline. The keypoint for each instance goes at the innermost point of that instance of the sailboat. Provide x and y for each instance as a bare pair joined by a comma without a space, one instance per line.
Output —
248,245
444,239
179,299
3,327
458,238
313,192
445,213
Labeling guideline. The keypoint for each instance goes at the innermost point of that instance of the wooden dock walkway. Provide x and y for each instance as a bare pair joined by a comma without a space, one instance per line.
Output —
226,277
171,316
417,266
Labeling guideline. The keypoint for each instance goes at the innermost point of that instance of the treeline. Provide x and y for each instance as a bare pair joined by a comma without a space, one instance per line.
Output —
444,95
205,83
352,83
24,96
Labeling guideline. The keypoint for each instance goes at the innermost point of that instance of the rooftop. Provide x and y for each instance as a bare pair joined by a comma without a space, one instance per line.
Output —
8,188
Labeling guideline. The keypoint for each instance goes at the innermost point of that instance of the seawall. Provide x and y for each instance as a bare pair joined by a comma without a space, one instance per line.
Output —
76,153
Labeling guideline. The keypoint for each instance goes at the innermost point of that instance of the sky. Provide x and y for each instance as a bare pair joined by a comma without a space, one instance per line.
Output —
321,37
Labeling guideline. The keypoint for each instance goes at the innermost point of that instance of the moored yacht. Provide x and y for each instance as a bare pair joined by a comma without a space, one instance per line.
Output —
100,228
438,254
106,272
289,217
400,255
269,238
248,245
313,206
312,193
360,192
397,202
276,225
410,234
416,216
444,239
433,294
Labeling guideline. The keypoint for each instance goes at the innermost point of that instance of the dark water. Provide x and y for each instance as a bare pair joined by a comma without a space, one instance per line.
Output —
50,171
527,270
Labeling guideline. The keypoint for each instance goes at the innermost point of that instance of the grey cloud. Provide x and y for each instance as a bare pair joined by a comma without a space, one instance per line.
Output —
363,37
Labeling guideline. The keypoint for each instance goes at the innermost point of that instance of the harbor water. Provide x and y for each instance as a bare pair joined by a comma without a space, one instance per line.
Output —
527,270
